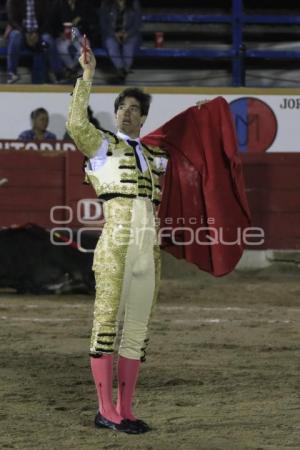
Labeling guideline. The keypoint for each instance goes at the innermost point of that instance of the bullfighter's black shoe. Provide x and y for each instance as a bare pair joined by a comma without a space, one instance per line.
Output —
125,426
141,426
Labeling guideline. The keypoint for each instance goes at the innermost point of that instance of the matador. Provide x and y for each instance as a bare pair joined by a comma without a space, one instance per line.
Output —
126,175
204,180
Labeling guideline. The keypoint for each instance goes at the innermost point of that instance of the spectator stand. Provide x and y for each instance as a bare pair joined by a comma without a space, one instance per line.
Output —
38,66
237,53
234,52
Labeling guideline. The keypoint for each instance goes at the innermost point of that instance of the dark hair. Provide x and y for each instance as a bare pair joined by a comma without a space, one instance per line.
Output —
141,96
37,112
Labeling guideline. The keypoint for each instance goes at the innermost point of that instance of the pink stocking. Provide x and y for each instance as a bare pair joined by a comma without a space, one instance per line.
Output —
102,370
128,370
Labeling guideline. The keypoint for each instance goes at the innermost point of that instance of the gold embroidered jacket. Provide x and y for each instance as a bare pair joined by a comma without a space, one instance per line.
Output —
119,174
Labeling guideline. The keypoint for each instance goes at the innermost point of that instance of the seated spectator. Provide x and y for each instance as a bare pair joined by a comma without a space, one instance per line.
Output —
120,22
64,15
27,20
40,120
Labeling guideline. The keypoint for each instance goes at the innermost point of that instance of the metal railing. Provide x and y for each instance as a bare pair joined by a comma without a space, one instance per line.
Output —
237,53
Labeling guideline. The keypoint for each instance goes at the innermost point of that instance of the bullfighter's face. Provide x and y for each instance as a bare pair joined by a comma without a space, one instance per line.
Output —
129,118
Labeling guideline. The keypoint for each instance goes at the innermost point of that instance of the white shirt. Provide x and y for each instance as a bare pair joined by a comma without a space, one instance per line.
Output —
101,155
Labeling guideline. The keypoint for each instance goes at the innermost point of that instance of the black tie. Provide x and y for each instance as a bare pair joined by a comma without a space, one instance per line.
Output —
134,144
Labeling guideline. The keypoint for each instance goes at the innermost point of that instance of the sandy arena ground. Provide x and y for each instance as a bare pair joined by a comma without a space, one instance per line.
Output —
222,371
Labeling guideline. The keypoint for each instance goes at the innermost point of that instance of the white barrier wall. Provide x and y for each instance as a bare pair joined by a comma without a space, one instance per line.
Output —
266,119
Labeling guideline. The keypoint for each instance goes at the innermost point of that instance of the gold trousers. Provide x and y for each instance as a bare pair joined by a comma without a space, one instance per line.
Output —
127,273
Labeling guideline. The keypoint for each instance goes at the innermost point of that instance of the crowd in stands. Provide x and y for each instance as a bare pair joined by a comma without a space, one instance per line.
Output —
46,29
233,46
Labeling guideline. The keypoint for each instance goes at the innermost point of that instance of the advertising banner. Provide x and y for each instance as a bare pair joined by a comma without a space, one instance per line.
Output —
266,120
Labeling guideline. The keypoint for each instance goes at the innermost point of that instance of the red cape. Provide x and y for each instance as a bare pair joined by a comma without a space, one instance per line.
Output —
204,208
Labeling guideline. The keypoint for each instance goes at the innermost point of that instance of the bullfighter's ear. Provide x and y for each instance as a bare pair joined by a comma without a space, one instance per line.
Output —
143,120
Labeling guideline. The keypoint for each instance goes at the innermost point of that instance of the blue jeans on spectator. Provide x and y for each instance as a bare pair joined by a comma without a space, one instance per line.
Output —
16,43
122,55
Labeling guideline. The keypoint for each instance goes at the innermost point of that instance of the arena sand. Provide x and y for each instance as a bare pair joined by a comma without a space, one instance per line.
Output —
222,371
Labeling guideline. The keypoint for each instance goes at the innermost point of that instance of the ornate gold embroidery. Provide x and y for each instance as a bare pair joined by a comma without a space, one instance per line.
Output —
109,264
111,188
86,137
155,151
146,186
130,175
128,160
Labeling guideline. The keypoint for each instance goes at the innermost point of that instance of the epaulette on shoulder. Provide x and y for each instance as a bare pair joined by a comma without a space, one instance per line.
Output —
111,134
